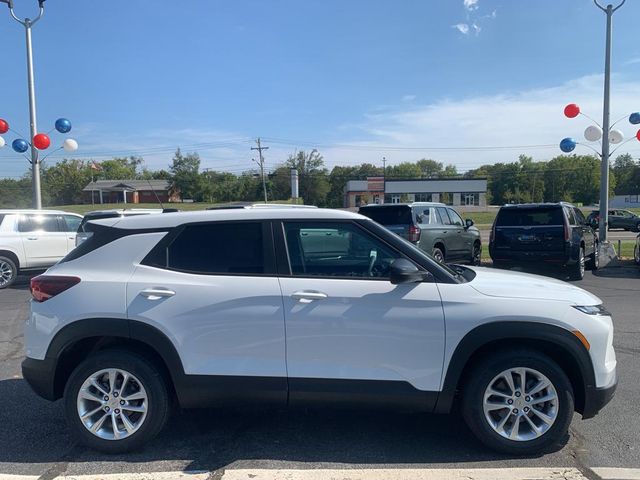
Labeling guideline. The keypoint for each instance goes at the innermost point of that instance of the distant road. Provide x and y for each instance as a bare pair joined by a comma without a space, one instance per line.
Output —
614,235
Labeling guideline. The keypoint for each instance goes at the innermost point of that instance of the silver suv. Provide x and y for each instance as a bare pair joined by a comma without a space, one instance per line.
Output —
434,227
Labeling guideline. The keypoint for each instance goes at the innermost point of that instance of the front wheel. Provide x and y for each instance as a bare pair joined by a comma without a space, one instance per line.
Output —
518,402
476,254
576,271
116,401
438,255
594,261
636,254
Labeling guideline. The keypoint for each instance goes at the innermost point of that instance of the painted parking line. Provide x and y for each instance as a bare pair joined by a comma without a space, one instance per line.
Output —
617,473
362,474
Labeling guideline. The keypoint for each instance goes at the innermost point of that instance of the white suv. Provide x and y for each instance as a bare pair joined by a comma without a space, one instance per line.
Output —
34,239
298,305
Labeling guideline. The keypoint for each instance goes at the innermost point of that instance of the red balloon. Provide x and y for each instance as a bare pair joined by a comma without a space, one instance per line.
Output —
638,135
41,141
4,126
571,111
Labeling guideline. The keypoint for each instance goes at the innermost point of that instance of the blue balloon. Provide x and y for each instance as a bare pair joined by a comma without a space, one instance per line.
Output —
567,145
63,125
634,118
20,145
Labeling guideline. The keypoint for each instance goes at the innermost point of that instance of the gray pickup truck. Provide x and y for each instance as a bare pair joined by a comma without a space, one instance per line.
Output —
434,227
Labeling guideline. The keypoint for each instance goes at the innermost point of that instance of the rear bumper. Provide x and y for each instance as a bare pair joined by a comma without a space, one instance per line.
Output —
596,398
551,258
40,375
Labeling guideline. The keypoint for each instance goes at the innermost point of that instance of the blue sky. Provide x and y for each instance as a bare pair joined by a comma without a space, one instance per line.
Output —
358,79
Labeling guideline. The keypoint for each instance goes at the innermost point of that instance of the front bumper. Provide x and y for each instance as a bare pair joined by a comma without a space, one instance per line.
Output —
40,375
596,398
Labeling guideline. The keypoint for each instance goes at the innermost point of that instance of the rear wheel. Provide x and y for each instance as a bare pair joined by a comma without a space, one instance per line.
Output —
438,255
576,271
638,227
116,401
8,272
518,402
636,254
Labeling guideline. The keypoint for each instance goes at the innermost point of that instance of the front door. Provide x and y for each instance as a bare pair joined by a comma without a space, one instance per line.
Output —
350,332
43,239
212,290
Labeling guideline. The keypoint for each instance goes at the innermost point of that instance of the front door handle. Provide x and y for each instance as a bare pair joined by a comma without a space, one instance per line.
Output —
308,296
32,238
157,293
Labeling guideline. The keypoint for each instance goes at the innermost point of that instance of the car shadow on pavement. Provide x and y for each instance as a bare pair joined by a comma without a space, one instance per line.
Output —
34,432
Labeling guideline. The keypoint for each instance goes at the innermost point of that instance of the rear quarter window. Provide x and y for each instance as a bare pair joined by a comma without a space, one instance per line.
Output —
529,217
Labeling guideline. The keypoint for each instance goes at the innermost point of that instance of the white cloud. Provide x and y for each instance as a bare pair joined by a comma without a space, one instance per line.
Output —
471,5
632,61
408,98
462,28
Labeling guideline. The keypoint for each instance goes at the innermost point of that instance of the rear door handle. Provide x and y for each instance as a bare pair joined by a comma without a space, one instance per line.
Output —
308,296
157,293
32,238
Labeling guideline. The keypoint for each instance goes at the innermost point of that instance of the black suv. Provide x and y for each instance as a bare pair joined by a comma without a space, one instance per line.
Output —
543,233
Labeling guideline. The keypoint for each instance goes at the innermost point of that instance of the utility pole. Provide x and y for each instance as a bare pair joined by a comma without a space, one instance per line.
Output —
384,167
27,23
260,148
604,167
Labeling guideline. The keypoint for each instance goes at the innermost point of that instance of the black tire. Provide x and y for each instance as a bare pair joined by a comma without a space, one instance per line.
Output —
8,272
636,254
438,255
149,377
576,270
476,253
477,382
594,259
638,227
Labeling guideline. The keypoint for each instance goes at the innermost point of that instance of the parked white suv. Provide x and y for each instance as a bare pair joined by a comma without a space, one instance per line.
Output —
298,305
34,239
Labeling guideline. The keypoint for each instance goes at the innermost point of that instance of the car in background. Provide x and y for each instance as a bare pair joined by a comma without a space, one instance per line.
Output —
114,213
434,227
544,234
34,240
623,219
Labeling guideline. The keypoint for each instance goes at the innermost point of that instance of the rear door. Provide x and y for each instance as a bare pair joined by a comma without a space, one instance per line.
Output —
350,332
43,239
212,289
530,229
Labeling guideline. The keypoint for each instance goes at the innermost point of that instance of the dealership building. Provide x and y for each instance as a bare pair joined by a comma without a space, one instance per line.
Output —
451,191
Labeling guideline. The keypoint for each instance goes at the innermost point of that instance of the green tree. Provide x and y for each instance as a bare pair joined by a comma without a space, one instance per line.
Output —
339,177
312,176
185,173
15,193
63,182
120,168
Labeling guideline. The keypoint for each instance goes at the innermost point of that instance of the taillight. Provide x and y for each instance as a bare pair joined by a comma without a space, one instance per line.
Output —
566,230
44,287
413,234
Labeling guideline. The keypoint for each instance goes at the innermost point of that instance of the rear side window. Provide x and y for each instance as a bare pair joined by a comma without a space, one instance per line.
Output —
530,217
38,223
70,222
444,216
399,215
217,248
571,216
1,218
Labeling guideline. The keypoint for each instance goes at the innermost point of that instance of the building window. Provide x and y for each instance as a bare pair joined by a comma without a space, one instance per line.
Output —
423,197
469,199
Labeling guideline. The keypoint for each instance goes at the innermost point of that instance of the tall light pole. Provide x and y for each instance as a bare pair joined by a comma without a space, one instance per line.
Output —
260,148
27,23
604,167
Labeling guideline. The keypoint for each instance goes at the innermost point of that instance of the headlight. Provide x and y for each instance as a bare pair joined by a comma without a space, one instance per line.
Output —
592,309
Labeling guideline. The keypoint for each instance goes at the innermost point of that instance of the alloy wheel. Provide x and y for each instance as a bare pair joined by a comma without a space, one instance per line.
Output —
112,404
6,273
520,404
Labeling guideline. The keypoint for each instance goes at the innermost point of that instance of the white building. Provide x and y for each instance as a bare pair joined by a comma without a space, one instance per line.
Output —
452,191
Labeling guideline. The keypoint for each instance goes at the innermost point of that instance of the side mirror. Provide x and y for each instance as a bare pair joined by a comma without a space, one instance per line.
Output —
468,223
404,271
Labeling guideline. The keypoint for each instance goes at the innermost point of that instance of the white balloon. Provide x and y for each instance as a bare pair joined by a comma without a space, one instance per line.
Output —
593,133
70,145
616,136
2,142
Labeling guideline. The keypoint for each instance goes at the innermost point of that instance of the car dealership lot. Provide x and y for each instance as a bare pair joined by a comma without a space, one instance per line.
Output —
227,444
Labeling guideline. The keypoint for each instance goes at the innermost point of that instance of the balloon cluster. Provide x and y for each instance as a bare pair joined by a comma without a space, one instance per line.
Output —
594,133
40,141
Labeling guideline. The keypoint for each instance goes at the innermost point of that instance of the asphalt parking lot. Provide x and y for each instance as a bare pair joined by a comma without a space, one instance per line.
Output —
34,440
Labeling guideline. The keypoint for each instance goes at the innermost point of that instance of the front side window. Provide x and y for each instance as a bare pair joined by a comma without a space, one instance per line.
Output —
38,223
444,216
336,250
216,248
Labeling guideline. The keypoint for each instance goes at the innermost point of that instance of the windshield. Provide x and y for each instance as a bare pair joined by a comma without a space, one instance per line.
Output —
393,215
